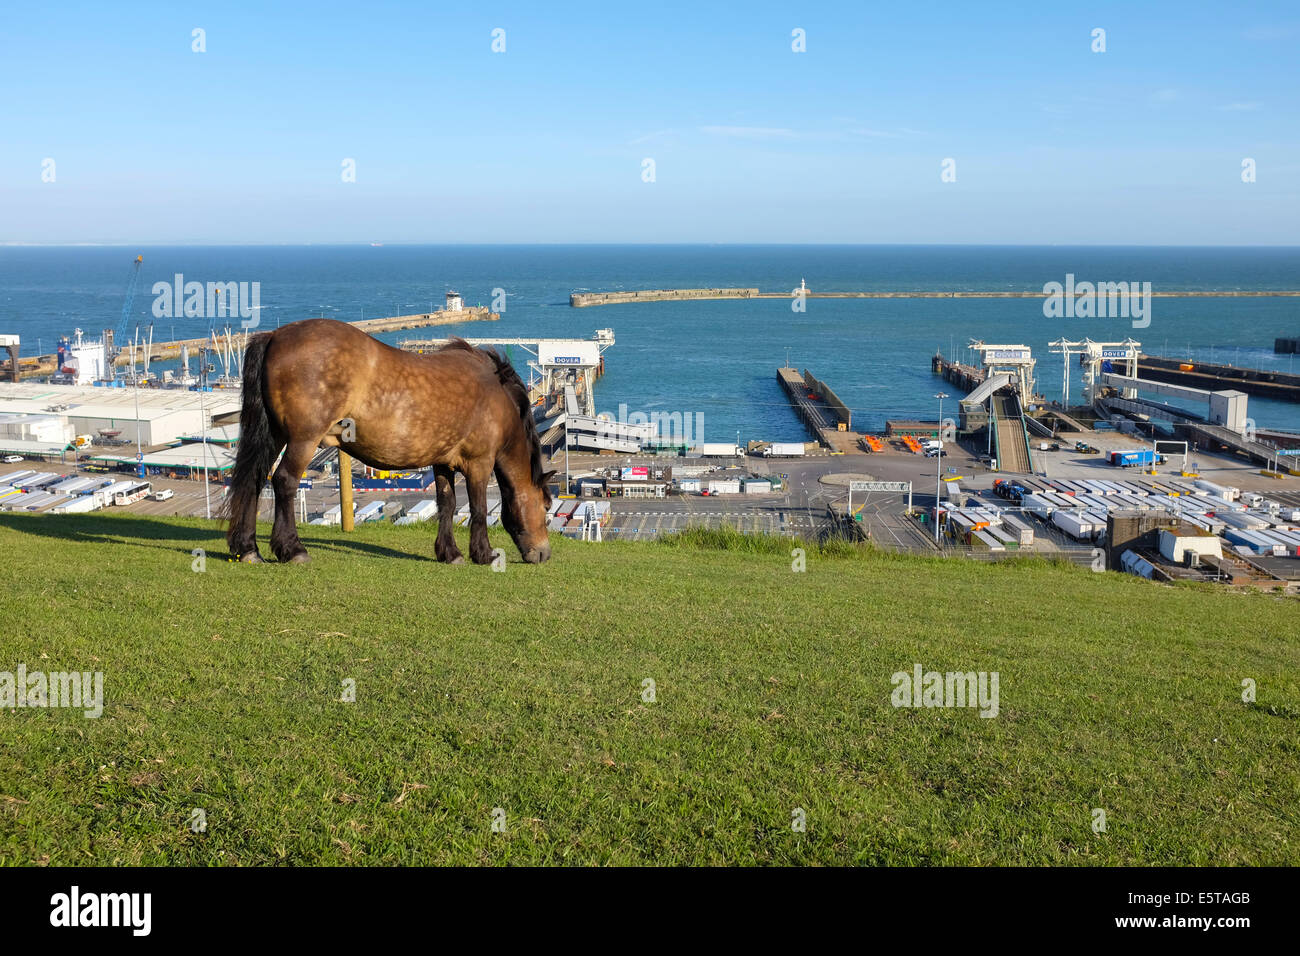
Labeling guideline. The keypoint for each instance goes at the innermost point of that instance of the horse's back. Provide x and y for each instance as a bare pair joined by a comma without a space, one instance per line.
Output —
406,409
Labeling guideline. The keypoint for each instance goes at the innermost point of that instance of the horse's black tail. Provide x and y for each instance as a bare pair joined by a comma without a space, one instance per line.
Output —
257,450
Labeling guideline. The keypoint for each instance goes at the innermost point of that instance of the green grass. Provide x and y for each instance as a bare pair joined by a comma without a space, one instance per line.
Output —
523,690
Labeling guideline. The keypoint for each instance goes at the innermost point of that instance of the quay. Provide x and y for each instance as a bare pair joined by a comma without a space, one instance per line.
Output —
1284,386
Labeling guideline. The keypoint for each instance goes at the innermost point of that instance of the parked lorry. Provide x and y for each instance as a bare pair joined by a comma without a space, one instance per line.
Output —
784,450
1226,492
1135,456
720,450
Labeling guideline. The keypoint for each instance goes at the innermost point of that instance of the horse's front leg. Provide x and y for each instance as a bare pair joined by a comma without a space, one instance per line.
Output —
476,482
444,548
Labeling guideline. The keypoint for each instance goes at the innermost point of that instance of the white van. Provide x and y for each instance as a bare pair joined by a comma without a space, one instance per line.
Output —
162,494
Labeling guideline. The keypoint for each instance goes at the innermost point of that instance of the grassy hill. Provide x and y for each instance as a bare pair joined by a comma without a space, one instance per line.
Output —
523,690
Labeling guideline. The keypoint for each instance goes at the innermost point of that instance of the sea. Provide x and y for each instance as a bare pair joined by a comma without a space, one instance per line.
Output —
714,361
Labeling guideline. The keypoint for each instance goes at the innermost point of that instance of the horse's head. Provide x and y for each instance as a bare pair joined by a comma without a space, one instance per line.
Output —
523,513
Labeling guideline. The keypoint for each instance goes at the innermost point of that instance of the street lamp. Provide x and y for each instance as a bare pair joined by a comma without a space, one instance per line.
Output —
938,468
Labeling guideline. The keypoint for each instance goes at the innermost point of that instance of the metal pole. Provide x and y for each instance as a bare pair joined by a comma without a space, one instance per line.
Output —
203,435
135,381
567,485
938,469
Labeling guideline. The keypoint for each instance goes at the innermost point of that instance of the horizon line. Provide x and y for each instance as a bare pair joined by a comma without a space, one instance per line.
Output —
114,243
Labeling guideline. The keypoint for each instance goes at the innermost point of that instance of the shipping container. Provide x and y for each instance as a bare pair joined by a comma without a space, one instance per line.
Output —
43,500
1254,541
757,486
38,480
1076,526
1240,519
1019,527
724,486
1279,538
422,510
983,541
1006,538
78,505
1039,504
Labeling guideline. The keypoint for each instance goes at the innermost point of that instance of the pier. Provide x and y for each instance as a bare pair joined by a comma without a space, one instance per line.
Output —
819,408
966,377
582,300
130,353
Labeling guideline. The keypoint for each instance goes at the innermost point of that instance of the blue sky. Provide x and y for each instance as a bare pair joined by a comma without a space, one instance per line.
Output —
752,142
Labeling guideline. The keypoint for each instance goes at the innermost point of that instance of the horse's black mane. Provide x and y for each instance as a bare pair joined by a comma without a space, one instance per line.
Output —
514,386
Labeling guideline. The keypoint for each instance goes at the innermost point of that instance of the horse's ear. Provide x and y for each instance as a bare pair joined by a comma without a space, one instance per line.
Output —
547,476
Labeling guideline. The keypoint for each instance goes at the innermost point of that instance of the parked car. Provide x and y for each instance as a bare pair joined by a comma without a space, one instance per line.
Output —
162,494
12,459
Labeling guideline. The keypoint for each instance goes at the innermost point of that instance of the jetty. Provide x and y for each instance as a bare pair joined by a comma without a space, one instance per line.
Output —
819,408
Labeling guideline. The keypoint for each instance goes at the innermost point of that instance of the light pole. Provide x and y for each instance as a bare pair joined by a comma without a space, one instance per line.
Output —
135,382
938,467
203,435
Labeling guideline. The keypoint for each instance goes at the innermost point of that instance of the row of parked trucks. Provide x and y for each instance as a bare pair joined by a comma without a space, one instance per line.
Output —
566,515
988,528
1249,522
54,493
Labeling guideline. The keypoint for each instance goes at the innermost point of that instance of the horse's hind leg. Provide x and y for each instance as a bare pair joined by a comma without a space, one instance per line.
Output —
284,533
444,548
476,481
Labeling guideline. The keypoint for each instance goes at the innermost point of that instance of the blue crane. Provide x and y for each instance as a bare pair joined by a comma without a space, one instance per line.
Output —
119,337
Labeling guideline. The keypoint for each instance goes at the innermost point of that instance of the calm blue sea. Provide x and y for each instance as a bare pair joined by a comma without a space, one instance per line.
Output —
715,358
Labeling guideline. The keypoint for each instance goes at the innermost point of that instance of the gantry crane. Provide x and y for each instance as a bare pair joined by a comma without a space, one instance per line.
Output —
119,336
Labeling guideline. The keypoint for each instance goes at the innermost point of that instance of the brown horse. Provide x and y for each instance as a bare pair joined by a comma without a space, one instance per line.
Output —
459,409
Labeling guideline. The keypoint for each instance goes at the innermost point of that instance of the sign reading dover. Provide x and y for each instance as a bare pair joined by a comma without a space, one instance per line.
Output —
899,486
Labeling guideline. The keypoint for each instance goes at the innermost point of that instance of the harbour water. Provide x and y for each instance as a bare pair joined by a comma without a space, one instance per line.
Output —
713,358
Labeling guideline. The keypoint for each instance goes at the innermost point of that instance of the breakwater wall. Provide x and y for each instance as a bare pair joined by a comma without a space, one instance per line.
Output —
580,300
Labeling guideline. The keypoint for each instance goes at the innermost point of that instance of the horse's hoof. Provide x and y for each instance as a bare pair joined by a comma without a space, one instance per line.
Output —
459,559
251,557
300,558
